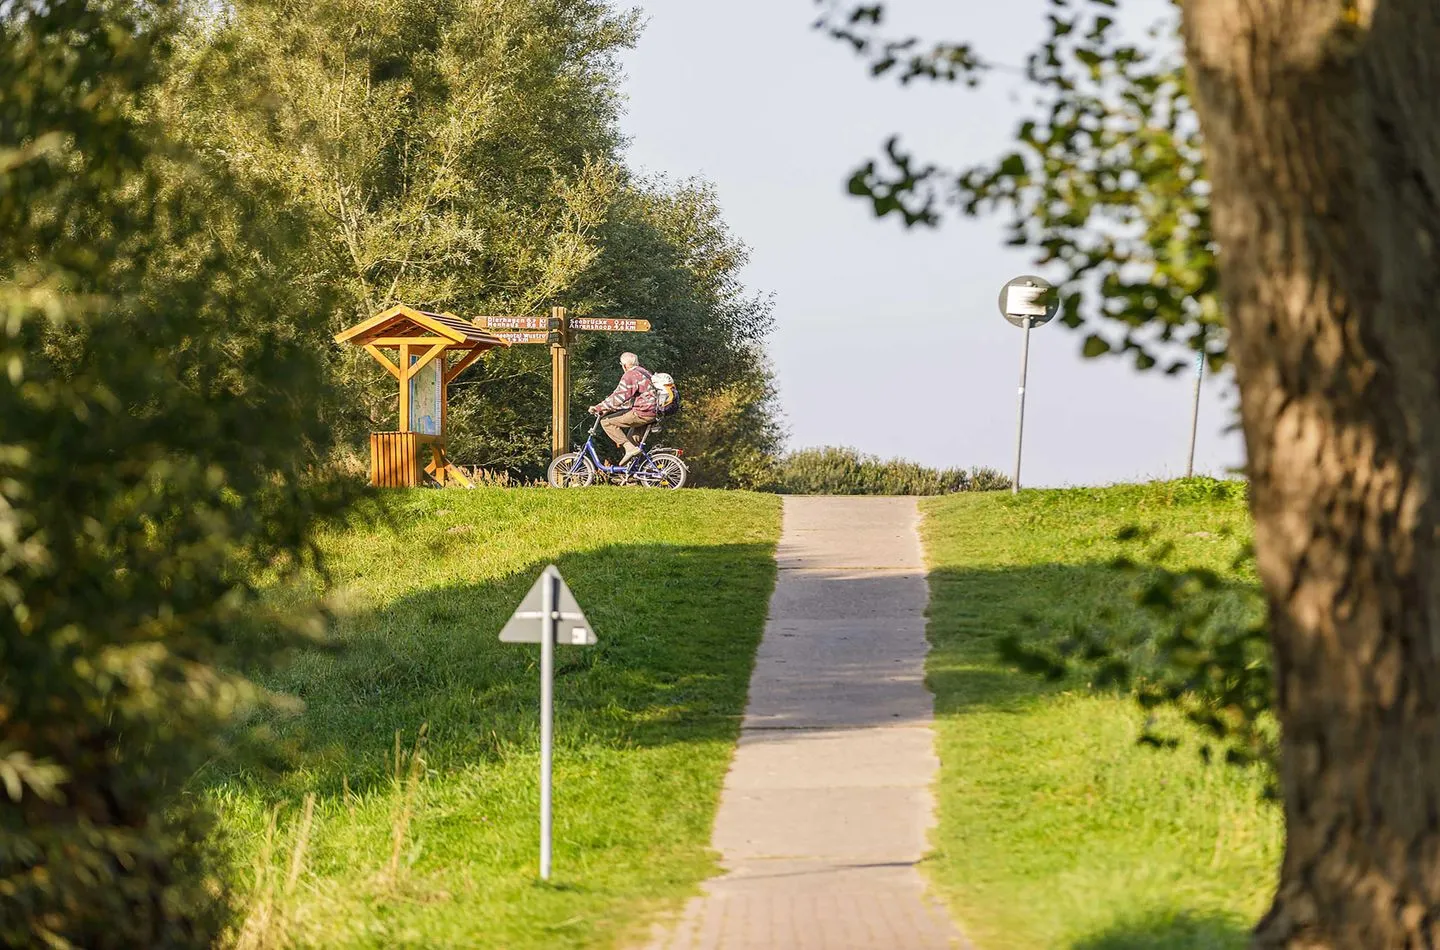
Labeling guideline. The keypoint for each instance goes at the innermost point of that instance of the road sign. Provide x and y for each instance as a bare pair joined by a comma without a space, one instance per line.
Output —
512,323
1029,300
548,615
1026,302
570,625
519,336
554,330
610,324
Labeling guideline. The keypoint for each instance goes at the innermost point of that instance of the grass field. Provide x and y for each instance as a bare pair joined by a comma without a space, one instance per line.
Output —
1057,830
432,842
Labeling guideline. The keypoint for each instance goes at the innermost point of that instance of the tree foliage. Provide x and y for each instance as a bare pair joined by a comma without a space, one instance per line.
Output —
465,155
156,440
1106,179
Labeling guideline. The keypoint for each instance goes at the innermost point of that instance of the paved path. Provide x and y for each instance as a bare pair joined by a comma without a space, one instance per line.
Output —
827,804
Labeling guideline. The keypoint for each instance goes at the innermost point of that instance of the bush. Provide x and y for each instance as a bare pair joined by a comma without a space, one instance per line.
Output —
156,438
844,471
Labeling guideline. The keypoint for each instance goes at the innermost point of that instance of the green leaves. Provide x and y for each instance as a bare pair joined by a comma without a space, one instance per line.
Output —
159,451
1108,180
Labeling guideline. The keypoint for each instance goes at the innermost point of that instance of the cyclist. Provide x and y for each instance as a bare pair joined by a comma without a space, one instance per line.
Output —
630,408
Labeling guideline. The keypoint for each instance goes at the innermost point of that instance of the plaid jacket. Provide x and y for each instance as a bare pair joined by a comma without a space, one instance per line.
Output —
634,392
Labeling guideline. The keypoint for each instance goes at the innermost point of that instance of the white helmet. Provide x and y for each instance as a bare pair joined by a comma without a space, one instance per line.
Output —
662,379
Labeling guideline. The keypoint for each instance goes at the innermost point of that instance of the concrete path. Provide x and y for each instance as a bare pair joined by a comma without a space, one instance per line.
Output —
827,805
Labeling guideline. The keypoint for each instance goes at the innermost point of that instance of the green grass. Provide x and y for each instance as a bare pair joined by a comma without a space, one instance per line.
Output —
440,849
1056,830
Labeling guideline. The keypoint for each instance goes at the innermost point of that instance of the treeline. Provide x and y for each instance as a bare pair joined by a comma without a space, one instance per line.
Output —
844,471
193,198
466,155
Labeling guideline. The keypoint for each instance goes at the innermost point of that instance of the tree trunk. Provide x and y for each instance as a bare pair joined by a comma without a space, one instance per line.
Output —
1322,123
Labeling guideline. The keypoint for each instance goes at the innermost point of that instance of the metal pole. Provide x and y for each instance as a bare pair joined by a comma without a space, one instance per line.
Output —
547,699
1195,415
1020,424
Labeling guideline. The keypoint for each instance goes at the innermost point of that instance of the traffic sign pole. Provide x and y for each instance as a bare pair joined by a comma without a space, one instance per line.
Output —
537,620
1026,302
1020,421
1195,414
547,711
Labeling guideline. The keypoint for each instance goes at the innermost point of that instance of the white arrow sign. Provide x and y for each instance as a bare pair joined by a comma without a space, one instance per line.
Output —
528,622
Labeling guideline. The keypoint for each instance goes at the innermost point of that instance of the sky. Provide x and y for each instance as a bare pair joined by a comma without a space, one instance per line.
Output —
889,340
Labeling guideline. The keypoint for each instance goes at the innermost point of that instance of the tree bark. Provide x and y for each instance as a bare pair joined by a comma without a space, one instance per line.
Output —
1322,124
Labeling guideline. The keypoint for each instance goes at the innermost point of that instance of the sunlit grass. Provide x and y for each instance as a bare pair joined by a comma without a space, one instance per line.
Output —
431,841
1056,829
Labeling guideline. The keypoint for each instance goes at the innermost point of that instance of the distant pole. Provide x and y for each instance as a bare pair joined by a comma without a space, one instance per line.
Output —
1020,421
547,702
1195,414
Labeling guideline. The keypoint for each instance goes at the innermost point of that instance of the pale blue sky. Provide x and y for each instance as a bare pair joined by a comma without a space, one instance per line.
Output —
890,340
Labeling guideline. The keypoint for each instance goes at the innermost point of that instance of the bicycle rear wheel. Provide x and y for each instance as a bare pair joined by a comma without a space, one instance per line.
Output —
668,471
571,470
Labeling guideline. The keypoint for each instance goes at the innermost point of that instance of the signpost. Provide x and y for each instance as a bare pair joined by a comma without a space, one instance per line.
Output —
1026,302
548,615
555,330
1195,413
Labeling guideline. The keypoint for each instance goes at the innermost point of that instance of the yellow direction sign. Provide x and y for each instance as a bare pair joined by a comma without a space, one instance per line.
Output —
610,324
513,323
555,330
512,336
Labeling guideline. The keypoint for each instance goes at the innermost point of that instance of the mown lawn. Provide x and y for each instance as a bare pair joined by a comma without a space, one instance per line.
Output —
1057,830
440,849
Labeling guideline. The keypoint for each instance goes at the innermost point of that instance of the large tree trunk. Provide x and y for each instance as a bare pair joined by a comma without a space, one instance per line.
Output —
1322,120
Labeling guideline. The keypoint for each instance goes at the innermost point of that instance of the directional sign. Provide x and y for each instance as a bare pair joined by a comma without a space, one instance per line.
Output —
1029,299
610,324
513,323
548,615
515,336
571,627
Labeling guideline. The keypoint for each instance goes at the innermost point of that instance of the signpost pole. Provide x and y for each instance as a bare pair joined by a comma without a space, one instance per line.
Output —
560,384
548,601
1195,415
1026,302
1020,421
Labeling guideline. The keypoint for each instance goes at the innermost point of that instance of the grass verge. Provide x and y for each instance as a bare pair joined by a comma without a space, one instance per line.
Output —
1056,829
407,815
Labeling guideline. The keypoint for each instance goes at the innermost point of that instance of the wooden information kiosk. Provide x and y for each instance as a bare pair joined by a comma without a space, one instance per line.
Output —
425,342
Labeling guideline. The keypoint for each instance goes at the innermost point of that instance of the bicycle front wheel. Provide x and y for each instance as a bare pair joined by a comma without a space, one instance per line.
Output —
668,471
571,470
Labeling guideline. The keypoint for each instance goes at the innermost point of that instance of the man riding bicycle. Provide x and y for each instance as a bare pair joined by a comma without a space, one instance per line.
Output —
633,405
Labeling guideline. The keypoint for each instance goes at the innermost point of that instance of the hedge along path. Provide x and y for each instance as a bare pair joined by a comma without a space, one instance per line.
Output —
827,806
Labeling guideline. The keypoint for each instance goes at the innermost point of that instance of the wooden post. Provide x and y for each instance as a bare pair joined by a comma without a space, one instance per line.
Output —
559,389
444,394
404,425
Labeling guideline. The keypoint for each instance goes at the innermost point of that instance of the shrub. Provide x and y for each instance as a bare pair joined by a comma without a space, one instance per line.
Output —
156,432
844,471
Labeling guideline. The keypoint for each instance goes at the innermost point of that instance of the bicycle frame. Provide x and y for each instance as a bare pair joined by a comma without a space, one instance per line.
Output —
627,469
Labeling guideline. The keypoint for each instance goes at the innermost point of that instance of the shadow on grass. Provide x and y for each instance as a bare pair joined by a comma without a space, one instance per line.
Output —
677,626
1171,932
971,611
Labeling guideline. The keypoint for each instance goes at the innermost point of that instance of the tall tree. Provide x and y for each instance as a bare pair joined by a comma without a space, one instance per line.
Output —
156,444
466,155
1318,123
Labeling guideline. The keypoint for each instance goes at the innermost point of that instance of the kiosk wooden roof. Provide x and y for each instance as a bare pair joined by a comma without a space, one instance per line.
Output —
432,333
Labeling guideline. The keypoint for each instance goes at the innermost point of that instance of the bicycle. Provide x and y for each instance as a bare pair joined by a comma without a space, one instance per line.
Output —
662,468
